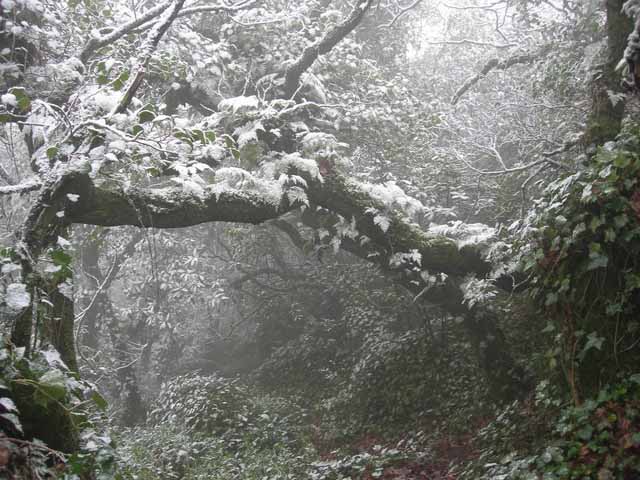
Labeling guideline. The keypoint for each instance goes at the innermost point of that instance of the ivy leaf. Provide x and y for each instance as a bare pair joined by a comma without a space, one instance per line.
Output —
53,385
593,341
552,298
99,400
635,378
597,261
622,161
145,116
24,103
382,221
198,135
621,220
585,433
52,152
61,258
119,82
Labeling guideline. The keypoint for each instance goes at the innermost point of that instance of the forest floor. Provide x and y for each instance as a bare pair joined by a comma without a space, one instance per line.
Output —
404,460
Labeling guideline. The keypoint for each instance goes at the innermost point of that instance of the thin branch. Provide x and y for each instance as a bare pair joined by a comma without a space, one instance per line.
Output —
305,104
147,50
310,54
497,64
203,9
97,42
475,7
473,42
146,21
37,446
255,24
522,168
400,14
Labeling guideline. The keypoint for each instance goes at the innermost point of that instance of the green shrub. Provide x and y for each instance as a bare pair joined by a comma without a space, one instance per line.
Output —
585,266
598,440
210,427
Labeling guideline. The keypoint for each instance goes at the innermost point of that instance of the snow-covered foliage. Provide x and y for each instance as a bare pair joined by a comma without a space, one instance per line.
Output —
478,291
393,198
466,233
411,259
239,104
17,297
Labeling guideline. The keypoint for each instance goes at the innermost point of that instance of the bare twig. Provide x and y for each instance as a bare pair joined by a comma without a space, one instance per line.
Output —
475,7
507,171
473,42
202,9
497,64
400,14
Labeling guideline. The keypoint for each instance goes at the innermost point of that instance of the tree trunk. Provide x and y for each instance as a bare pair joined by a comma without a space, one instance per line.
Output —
58,327
606,112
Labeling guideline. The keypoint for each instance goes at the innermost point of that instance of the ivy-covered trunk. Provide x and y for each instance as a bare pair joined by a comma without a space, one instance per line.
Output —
607,108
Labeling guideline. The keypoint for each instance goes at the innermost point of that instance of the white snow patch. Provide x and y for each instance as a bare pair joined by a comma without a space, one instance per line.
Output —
8,268
296,162
17,296
52,356
106,101
9,99
63,243
66,289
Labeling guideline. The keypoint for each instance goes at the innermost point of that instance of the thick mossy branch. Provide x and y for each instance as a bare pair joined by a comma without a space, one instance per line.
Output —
109,204
439,254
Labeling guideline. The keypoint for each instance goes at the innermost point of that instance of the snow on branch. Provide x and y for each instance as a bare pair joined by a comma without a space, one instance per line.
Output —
402,12
150,44
98,41
497,64
310,54
111,204
22,188
170,207
146,21
205,9
473,42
